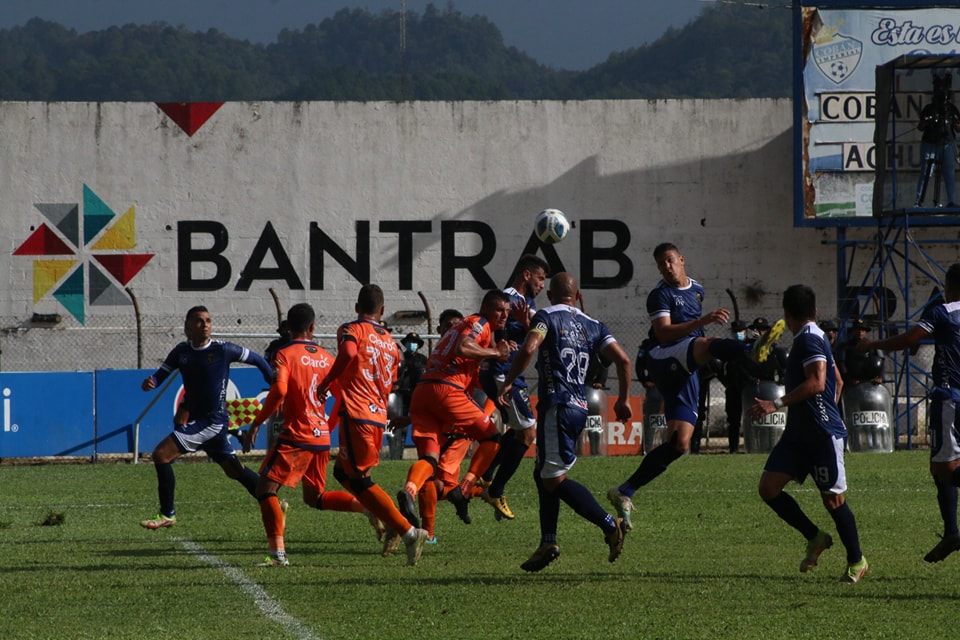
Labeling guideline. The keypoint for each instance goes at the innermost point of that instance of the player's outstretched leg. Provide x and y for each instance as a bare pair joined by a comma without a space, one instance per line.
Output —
762,347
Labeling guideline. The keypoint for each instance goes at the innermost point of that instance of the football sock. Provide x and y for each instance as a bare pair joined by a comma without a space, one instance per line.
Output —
947,499
790,512
511,454
652,465
249,479
272,518
376,500
726,349
483,456
166,484
339,501
847,528
420,471
427,501
498,459
485,453
579,498
549,510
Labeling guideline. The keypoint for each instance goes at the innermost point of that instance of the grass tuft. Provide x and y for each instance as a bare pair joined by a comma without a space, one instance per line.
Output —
53,519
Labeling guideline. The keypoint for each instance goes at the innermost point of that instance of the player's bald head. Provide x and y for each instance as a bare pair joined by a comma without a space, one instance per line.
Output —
563,288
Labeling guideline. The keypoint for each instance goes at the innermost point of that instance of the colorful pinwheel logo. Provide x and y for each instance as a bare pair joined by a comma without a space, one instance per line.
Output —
91,272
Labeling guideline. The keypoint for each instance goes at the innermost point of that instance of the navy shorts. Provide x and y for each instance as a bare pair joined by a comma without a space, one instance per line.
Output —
206,436
518,414
673,370
557,433
810,452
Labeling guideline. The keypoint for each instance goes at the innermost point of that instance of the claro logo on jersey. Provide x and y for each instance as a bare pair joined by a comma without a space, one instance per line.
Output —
83,257
315,363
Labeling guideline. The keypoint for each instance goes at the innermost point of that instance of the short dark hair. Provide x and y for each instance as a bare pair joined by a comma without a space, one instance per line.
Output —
370,299
530,262
662,248
446,314
800,302
195,310
494,295
299,317
952,279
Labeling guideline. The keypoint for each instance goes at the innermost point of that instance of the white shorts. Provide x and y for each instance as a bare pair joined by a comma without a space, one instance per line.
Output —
943,430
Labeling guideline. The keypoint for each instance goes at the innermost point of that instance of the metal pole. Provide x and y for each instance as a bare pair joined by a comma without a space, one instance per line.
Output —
136,423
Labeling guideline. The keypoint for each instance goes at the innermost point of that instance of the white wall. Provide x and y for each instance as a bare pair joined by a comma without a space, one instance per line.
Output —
714,177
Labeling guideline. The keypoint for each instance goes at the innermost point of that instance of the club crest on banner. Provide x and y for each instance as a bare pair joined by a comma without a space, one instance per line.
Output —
837,56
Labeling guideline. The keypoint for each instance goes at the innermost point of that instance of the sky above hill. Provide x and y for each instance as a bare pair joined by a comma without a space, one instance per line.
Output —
565,34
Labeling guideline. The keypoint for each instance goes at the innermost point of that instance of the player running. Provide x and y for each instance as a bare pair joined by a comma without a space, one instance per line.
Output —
942,321
201,421
674,351
813,439
302,447
528,280
565,339
442,406
366,369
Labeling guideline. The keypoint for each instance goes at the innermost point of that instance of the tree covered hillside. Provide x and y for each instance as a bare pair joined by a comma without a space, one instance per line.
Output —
728,52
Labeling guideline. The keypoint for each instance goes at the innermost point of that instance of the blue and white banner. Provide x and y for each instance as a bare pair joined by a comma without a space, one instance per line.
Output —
845,48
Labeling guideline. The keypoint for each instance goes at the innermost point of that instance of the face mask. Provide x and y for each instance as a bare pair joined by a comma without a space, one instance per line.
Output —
741,335
412,347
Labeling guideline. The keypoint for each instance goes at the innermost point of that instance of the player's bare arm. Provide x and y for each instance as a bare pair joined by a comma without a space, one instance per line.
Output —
898,342
666,331
814,383
614,353
520,363
467,347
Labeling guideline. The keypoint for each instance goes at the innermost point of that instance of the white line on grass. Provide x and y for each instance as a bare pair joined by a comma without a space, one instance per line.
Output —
270,607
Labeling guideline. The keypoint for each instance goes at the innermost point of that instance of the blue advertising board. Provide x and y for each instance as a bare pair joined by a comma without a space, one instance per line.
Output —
120,401
46,414
92,413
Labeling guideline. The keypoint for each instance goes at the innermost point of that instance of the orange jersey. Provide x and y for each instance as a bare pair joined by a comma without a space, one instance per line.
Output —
300,366
366,382
445,366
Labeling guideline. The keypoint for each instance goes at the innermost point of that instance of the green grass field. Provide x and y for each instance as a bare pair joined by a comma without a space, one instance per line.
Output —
706,559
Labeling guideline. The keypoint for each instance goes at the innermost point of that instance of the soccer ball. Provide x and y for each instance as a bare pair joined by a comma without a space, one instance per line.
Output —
551,226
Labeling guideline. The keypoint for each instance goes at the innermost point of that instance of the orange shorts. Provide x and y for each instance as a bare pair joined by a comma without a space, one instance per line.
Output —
451,457
360,445
438,409
287,465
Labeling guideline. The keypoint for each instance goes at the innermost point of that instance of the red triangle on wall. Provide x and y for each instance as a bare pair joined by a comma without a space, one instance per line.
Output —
43,242
189,116
124,266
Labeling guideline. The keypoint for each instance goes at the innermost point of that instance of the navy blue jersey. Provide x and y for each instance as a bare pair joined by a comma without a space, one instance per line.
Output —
942,321
810,344
514,330
680,304
570,337
205,373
